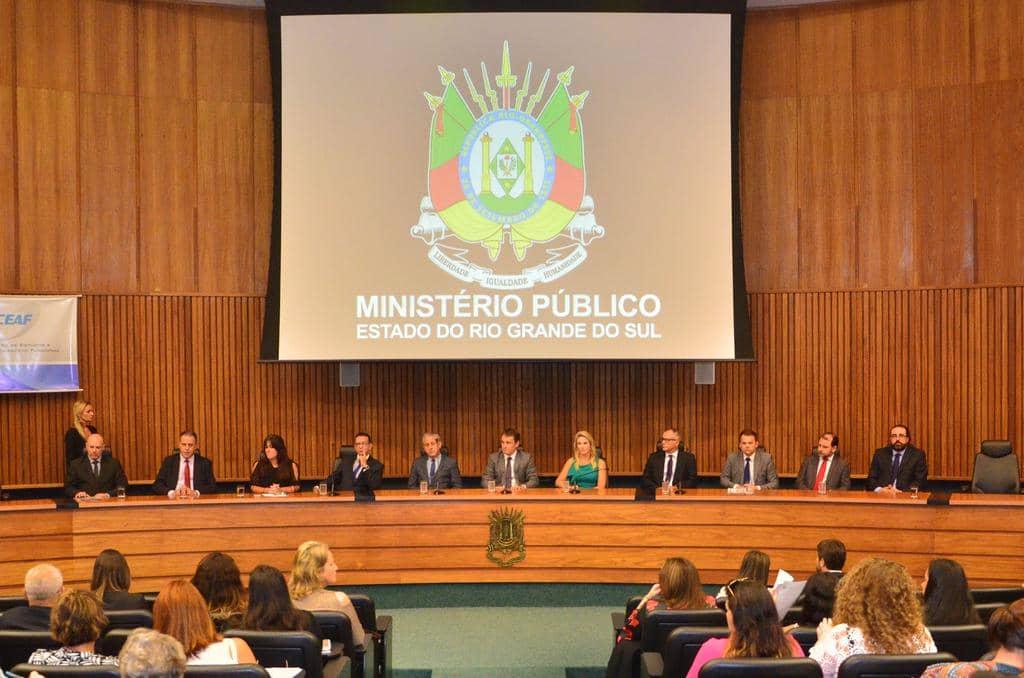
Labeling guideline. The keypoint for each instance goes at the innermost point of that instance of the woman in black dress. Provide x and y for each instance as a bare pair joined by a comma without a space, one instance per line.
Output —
274,472
83,416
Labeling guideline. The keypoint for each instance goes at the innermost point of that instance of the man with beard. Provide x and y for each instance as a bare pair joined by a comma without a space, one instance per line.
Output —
899,466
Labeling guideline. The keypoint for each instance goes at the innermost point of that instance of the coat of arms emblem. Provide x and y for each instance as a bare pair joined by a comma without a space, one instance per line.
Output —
507,543
506,179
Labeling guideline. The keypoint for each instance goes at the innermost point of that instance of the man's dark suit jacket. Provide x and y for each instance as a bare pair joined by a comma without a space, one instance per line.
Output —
202,474
913,469
26,618
683,475
80,477
838,477
343,477
445,475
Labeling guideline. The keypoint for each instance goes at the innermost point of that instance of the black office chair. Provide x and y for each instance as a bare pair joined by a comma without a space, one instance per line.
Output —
100,671
7,602
336,627
756,667
377,627
129,619
967,642
806,636
985,610
678,651
226,671
660,623
890,665
619,618
793,615
111,642
1004,595
17,646
284,648
996,469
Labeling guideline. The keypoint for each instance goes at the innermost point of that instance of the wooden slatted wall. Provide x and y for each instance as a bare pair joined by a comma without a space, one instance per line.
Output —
880,150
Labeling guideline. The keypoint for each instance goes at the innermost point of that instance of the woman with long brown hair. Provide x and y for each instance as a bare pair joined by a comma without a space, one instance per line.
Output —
180,612
219,581
274,471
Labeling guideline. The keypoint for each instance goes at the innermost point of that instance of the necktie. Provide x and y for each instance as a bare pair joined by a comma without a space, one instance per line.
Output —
508,473
430,473
356,470
96,468
896,466
188,476
746,471
821,474
668,469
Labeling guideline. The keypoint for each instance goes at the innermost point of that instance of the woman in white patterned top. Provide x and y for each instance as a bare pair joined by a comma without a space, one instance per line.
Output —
877,611
76,621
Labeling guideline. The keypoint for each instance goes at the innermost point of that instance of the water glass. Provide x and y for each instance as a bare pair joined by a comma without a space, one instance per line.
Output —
121,494
666,488
491,486
322,487
913,491
822,488
240,491
423,487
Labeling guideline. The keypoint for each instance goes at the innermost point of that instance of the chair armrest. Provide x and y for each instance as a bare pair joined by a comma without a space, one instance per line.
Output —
651,665
618,621
383,623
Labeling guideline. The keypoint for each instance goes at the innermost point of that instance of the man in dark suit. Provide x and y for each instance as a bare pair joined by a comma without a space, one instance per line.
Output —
43,585
185,473
93,475
899,466
670,464
361,472
440,471
750,466
824,466
511,456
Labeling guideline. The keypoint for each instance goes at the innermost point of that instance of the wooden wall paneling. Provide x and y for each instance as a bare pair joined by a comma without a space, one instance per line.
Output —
988,318
167,195
225,198
941,49
825,50
953,389
884,188
943,191
166,51
998,117
769,193
1015,371
770,55
48,219
7,42
8,188
776,415
919,401
881,46
107,40
47,44
224,53
998,40
109,195
263,192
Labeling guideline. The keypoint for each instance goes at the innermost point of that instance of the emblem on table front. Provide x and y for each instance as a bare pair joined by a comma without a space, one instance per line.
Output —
507,544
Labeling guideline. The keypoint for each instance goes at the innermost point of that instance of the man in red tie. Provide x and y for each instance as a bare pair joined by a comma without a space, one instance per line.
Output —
185,474
824,465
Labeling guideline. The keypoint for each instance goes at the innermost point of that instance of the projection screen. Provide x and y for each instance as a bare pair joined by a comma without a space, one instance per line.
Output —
506,185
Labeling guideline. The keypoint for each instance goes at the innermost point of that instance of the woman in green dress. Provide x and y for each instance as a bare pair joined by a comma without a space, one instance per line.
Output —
585,469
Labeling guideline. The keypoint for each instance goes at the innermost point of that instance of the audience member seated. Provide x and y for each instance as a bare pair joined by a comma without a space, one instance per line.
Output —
831,556
314,569
270,606
76,622
274,472
678,588
1006,633
877,611
220,583
83,416
819,598
151,654
180,612
947,596
111,581
754,628
43,585
584,469
755,566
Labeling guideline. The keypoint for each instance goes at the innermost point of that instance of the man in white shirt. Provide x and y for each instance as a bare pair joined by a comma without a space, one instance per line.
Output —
824,466
749,466
670,464
185,474
512,458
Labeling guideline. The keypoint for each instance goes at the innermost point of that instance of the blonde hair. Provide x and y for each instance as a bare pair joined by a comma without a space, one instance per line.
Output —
76,416
310,558
593,449
879,597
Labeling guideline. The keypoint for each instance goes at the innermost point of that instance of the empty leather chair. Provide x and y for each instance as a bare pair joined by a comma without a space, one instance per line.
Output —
7,602
129,619
284,648
111,642
658,624
890,665
749,667
678,651
1002,594
101,671
985,610
966,642
996,469
806,636
226,671
17,646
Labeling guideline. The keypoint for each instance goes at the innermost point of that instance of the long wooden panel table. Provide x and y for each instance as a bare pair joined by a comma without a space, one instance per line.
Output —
596,536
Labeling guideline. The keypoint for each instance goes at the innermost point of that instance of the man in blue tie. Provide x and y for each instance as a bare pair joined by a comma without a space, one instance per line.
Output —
899,466
362,472
750,466
440,471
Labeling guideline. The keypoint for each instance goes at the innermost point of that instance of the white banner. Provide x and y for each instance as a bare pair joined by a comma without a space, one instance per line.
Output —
38,344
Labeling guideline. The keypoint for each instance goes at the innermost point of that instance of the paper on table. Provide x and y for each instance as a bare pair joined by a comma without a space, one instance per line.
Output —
284,671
